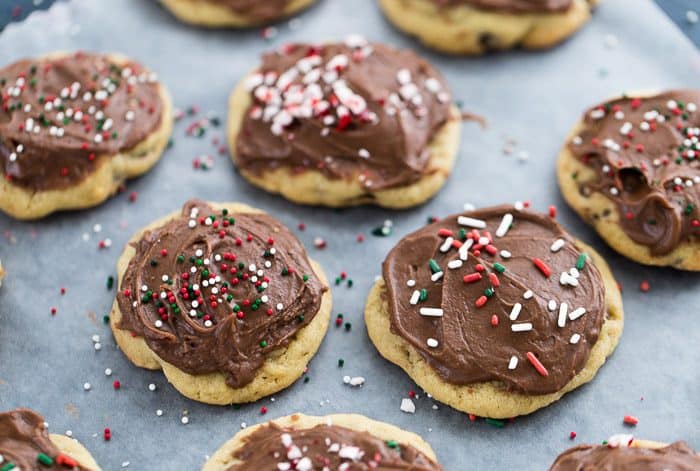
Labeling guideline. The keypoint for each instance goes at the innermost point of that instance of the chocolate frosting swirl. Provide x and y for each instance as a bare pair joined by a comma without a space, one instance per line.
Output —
326,447
24,437
61,116
257,10
352,110
211,291
677,457
644,152
496,315
511,6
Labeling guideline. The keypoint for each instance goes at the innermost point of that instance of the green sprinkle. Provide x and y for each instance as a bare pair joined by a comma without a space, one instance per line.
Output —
348,326
300,317
496,423
581,262
423,295
498,267
382,231
307,379
154,263
263,344
110,282
305,278
180,259
489,292
434,267
44,459
338,280
462,234
105,319
392,443
341,362
285,271
349,283
8,467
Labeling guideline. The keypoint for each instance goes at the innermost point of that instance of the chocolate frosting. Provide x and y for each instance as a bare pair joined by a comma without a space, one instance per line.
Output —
24,437
452,323
325,447
266,10
211,291
511,6
59,117
676,457
351,110
644,152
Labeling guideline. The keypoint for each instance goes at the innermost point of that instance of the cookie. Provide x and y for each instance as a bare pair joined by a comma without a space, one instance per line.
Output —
74,127
2,273
25,444
223,299
342,441
473,27
496,312
624,452
630,168
233,13
344,124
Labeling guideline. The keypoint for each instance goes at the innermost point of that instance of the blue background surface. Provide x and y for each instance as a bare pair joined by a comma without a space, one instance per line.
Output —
15,10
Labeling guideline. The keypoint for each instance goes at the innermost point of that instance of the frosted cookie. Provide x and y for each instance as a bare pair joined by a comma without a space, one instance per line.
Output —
630,168
74,127
233,13
344,124
343,442
480,26
25,444
223,299
624,453
496,312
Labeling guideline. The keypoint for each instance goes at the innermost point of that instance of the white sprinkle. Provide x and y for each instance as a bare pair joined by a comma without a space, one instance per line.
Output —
87,386
436,276
519,205
415,297
98,346
563,311
557,245
447,244
552,305
159,412
464,249
108,372
528,294
453,264
506,254
431,311
573,315
471,222
524,327
408,406
574,339
432,343
411,283
185,420
692,16
355,381
364,153
515,311
151,387
505,225
159,323
513,363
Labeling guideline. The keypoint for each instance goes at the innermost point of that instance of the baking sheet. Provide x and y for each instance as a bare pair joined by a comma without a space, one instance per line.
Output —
530,98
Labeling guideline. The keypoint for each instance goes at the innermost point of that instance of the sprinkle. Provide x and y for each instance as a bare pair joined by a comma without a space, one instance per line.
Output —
513,363
471,222
498,267
432,343
408,406
411,283
434,267
185,420
87,386
557,245
505,254
523,327
415,297
506,222
44,459
573,315
472,277
541,266
581,261
431,312
644,286
552,305
454,264
563,310
630,420
481,301
515,311
574,339
536,363
494,320
446,244
436,276
528,294
495,422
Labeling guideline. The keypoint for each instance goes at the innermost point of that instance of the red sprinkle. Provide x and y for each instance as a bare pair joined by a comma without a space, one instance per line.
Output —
107,434
472,277
481,301
630,420
552,211
445,233
536,363
263,410
572,435
494,320
644,286
546,271
494,280
53,311
117,385
66,461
